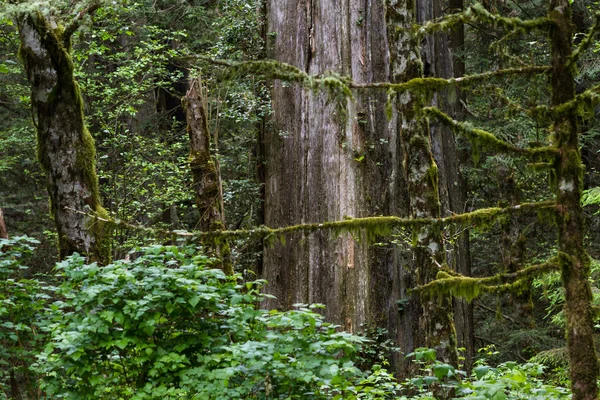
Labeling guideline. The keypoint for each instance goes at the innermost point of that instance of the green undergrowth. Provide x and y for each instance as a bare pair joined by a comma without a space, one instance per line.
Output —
165,324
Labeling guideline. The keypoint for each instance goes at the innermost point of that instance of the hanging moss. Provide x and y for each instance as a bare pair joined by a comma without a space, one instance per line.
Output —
480,138
470,288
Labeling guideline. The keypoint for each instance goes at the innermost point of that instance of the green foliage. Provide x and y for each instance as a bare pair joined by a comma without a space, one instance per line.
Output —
22,306
165,325
507,381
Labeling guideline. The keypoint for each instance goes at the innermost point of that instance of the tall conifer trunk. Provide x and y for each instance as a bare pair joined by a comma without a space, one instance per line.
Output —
435,328
320,166
575,262
65,147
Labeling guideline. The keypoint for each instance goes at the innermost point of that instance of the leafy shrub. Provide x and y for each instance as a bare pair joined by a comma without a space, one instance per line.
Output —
507,381
22,305
165,325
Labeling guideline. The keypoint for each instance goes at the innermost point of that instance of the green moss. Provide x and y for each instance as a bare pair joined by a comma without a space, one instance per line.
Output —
470,288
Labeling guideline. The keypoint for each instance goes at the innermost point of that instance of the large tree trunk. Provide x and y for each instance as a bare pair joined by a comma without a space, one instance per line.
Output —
65,147
321,167
205,170
575,262
438,61
435,322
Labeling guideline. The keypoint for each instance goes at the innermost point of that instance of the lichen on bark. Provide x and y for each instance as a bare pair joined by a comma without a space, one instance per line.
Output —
435,328
568,169
66,149
205,173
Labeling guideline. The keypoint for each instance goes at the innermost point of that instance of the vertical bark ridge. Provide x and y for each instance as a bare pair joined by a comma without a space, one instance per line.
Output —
434,325
575,262
322,167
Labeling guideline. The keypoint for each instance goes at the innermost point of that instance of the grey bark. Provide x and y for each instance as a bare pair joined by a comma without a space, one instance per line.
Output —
65,147
205,170
320,167
439,61
435,326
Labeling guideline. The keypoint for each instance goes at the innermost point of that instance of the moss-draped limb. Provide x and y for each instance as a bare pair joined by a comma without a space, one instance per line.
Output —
373,226
470,288
77,20
478,14
586,43
581,105
271,69
481,138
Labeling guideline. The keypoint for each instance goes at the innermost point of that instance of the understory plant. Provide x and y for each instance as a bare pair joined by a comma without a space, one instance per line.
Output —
164,324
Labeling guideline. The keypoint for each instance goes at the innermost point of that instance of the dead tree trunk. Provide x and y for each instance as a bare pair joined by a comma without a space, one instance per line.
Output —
205,171
435,327
575,262
3,231
65,147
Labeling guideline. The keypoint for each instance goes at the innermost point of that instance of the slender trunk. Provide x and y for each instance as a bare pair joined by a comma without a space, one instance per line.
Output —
205,171
457,189
435,322
512,247
575,262
3,231
65,147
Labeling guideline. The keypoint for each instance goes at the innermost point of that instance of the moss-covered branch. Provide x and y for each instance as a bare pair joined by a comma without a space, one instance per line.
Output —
470,288
271,69
585,44
478,14
581,105
77,20
373,226
481,138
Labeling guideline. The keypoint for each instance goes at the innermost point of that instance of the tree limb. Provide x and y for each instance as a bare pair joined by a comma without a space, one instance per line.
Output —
76,22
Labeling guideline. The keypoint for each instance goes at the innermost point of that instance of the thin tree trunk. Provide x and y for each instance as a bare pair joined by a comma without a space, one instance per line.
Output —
575,262
65,147
205,171
3,231
513,247
435,322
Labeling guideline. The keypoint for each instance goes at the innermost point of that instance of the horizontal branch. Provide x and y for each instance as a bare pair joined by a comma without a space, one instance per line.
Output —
586,43
373,226
469,287
478,14
479,137
271,69
582,105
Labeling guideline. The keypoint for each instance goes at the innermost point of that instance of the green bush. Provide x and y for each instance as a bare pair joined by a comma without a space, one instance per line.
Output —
22,305
166,325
